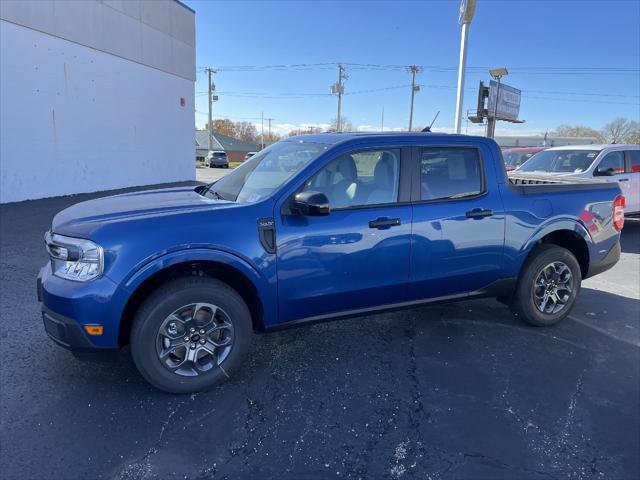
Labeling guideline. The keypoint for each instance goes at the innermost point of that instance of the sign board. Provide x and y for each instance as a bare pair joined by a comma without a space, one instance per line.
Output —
508,103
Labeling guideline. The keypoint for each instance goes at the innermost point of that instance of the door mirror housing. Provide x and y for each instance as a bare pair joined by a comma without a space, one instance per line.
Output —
607,172
311,203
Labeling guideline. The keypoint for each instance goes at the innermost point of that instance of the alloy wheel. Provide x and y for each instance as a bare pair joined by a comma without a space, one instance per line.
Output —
553,288
194,339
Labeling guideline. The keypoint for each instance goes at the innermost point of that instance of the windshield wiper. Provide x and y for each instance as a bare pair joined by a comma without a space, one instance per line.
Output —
215,194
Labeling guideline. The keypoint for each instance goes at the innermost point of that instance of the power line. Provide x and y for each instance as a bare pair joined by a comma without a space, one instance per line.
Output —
538,70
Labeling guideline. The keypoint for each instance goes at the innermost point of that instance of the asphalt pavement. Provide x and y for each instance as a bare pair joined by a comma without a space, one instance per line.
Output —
460,391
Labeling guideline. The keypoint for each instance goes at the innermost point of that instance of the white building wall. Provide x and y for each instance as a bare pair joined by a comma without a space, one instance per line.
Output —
77,118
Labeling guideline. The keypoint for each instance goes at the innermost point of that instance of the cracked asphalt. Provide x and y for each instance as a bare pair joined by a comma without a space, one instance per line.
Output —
461,391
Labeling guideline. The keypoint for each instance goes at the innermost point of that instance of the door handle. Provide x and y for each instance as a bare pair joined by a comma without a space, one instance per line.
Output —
479,213
383,223
623,179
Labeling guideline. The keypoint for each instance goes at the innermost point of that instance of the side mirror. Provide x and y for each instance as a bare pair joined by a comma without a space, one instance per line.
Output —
609,172
311,203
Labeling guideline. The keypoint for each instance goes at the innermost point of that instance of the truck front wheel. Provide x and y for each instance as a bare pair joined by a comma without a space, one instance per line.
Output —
548,286
190,335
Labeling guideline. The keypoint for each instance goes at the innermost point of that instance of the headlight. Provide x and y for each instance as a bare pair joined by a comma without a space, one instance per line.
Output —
74,259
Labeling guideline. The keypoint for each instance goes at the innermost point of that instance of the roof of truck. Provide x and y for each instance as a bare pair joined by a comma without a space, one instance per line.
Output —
335,137
600,146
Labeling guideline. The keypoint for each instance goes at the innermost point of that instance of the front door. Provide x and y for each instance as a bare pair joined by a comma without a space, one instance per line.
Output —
458,223
632,194
357,257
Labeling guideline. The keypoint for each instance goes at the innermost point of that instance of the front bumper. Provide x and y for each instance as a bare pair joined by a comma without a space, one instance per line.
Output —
68,306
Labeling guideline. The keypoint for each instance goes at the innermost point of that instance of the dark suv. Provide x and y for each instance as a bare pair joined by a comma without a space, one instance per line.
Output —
217,159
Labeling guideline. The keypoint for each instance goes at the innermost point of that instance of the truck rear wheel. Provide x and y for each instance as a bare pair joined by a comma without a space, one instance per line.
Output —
548,286
190,335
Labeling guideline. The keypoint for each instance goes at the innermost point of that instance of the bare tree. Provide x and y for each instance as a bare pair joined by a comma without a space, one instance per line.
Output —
345,125
271,137
575,131
633,137
223,126
619,131
246,131
304,131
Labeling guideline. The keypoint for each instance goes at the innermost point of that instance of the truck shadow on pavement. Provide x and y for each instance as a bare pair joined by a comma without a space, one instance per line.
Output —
630,238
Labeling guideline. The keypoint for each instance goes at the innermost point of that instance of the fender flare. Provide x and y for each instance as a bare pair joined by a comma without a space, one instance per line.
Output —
554,225
167,260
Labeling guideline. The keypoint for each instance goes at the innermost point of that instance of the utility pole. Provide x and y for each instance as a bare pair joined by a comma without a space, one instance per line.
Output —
269,120
262,131
413,69
211,89
338,89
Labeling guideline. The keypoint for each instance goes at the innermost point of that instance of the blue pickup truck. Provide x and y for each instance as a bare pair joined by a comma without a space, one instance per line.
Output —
313,228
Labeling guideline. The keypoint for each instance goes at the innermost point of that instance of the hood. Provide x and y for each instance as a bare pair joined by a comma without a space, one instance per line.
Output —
84,217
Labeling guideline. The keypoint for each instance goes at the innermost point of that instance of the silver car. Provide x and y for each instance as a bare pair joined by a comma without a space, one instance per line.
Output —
612,163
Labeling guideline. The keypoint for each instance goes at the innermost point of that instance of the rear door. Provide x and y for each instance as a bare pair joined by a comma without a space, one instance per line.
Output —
633,172
458,221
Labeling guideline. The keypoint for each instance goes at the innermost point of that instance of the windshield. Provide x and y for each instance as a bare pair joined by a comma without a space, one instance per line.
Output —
264,172
515,159
573,161
219,154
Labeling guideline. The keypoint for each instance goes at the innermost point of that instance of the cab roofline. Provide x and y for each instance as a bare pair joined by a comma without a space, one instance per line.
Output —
334,138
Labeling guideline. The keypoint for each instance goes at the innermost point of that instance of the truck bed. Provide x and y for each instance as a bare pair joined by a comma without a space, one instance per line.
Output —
531,184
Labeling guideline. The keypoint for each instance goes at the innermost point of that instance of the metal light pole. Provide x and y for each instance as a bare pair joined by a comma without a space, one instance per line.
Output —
496,74
467,9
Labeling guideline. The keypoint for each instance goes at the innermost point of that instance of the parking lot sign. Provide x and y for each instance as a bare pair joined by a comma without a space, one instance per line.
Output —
508,103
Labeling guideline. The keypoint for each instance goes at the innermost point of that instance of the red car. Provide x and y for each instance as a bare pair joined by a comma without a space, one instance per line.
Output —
514,157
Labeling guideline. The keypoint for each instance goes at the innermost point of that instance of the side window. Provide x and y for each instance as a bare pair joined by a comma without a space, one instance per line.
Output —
367,177
613,161
453,172
634,155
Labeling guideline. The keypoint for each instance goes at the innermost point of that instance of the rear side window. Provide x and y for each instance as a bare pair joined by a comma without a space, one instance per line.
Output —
612,161
634,155
452,172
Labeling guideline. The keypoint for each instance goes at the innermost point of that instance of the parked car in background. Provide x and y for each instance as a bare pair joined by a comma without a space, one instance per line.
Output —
217,158
312,228
612,163
514,157
249,155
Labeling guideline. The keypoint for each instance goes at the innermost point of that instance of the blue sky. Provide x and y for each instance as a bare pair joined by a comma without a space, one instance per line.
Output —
558,53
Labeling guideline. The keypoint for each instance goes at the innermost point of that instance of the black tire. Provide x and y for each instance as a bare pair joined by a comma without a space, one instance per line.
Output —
165,300
524,302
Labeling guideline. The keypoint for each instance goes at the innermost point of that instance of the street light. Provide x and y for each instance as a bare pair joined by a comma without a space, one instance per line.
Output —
496,74
467,9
